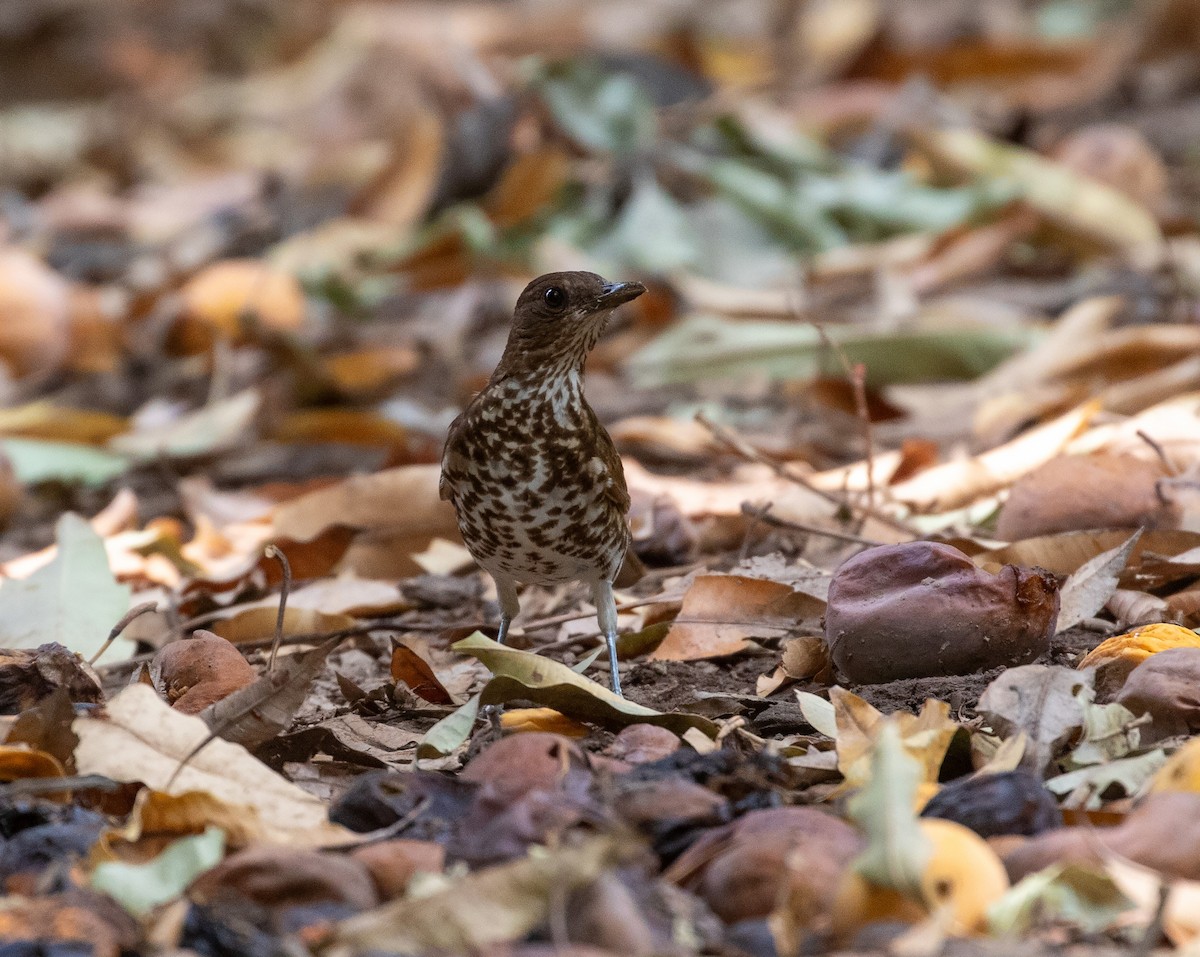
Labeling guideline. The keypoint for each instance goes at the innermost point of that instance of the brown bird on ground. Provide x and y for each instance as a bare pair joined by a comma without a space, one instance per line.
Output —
534,478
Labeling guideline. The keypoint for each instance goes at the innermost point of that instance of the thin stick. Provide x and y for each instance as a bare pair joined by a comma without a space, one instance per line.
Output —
756,516
858,379
856,375
397,827
27,787
789,525
272,552
305,638
136,612
1159,451
747,451
538,623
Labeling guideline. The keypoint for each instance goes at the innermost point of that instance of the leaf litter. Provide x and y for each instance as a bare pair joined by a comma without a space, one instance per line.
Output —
908,417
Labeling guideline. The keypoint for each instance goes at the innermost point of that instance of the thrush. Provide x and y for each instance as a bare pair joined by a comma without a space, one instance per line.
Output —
533,476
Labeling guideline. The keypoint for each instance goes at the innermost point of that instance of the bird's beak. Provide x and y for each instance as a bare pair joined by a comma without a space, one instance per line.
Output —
612,294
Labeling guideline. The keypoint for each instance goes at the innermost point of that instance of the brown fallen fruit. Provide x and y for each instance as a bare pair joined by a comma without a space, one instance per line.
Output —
392,864
281,877
1075,492
922,609
741,869
647,804
1162,832
200,670
530,761
1006,802
34,316
642,743
1165,686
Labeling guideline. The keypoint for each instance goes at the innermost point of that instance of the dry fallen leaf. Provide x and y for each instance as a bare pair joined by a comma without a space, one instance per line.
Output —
1079,492
804,657
1090,587
721,614
227,298
955,484
924,737
141,739
257,712
397,500
1076,202
492,905
1041,701
544,720
413,670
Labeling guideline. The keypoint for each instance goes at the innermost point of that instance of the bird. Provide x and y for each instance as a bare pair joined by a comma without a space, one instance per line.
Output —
535,480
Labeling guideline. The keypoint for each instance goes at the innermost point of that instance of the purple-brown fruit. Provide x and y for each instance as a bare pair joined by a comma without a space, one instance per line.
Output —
922,609
1010,802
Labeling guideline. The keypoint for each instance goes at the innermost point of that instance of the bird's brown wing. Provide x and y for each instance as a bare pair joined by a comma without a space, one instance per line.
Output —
617,493
614,474
445,483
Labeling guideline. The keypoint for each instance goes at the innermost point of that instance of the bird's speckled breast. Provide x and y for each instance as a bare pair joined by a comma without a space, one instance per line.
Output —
530,485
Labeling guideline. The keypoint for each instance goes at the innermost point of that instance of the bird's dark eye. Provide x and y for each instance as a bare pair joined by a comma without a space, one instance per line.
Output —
555,298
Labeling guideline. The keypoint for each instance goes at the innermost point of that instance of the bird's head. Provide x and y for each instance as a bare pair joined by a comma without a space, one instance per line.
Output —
560,316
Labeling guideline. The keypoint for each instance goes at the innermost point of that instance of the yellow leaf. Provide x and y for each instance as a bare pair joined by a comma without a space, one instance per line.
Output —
542,719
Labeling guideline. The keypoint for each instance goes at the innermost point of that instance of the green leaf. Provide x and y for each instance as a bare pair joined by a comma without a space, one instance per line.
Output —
531,677
139,888
34,460
1078,895
1110,731
778,144
732,247
652,232
609,112
449,734
873,204
1128,774
779,205
706,347
897,851
73,600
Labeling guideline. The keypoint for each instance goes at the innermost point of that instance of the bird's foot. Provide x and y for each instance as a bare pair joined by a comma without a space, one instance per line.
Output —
611,640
